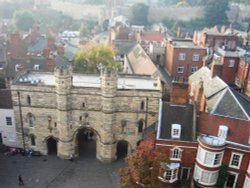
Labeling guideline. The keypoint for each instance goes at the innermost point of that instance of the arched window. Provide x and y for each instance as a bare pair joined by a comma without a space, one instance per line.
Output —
83,105
32,140
140,126
142,105
28,100
80,118
31,119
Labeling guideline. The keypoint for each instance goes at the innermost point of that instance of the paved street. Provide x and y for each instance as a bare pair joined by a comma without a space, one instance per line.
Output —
52,172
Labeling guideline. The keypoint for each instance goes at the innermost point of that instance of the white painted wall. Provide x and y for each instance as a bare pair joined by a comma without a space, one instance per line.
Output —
8,131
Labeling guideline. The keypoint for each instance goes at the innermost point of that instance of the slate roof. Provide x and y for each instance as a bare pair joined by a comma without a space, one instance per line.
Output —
232,104
5,99
2,53
177,114
123,46
39,45
139,61
220,98
26,64
61,61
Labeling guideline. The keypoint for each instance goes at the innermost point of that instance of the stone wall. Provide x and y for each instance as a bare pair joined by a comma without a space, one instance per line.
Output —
83,107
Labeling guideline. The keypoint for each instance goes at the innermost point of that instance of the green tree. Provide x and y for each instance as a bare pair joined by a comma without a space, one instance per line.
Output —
142,166
140,14
223,173
23,20
93,56
215,12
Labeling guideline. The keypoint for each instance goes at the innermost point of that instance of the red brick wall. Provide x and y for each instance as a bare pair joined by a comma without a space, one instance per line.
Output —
188,154
229,73
243,167
239,130
172,60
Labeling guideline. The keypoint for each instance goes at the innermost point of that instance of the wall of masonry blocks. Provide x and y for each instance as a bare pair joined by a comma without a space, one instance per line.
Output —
84,108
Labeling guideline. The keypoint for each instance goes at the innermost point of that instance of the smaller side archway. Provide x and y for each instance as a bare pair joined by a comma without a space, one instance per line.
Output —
51,145
122,149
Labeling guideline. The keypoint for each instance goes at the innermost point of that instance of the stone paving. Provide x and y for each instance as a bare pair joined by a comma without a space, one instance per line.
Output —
52,172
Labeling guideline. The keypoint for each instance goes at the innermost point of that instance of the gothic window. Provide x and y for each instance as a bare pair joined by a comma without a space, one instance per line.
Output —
83,105
142,105
140,126
80,118
32,140
28,100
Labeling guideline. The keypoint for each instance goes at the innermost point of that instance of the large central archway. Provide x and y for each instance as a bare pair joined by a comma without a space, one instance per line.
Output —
86,143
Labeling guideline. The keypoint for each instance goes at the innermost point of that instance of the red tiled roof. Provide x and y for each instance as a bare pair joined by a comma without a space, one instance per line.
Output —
152,36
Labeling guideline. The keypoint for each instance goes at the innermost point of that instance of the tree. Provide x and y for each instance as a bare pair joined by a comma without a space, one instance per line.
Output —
215,12
23,20
94,56
140,14
142,166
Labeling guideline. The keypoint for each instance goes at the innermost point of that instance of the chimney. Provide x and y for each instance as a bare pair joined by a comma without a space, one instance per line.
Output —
216,70
50,63
179,93
60,50
46,52
51,42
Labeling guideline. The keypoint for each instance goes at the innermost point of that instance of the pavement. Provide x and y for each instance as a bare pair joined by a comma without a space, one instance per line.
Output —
53,172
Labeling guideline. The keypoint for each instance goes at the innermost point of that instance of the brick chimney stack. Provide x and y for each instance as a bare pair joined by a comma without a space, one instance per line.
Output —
179,93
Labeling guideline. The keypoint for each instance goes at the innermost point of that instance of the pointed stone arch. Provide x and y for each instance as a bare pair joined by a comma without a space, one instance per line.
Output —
51,144
85,141
123,148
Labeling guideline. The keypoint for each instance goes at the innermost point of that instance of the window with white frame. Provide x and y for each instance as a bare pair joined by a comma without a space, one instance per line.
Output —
36,67
217,158
175,153
8,121
194,69
205,177
231,63
222,133
170,175
196,57
231,180
235,160
176,131
180,69
182,56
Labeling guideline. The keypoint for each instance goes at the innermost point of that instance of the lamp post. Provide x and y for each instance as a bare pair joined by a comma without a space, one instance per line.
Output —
21,119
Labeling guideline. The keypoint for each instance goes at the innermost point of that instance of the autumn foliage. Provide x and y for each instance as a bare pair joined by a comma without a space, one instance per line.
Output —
142,166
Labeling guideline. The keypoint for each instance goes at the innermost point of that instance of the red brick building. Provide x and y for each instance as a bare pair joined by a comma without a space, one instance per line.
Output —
183,58
223,131
176,136
200,146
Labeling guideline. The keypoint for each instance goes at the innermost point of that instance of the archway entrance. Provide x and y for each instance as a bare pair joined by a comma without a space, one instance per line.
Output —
86,143
52,146
122,149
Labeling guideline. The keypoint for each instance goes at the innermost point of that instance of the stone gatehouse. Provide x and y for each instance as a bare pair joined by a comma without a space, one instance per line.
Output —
56,109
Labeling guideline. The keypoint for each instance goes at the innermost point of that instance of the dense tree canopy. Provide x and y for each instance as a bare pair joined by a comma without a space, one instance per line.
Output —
142,166
215,12
139,14
23,20
94,56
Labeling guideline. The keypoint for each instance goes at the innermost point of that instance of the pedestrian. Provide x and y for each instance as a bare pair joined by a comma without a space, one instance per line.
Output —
71,157
20,180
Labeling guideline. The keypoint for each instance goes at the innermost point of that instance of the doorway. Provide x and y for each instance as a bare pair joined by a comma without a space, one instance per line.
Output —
185,173
52,146
122,149
86,143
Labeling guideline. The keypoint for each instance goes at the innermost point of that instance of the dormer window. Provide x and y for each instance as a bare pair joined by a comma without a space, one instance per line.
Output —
231,63
36,67
176,131
222,133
